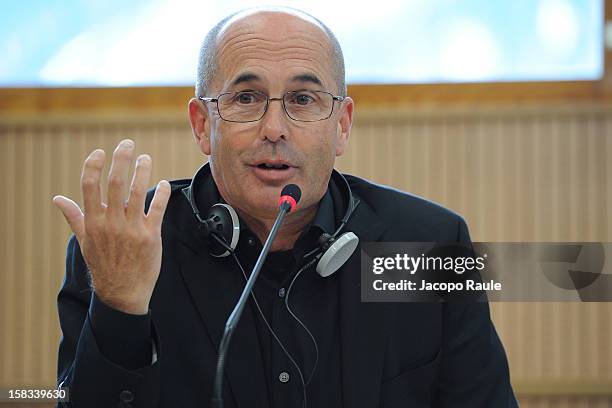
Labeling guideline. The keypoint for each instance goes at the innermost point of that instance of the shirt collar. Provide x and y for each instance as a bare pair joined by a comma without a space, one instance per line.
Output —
324,219
323,222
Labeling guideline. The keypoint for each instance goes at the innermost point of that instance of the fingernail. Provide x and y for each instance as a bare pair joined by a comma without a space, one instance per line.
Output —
144,157
127,143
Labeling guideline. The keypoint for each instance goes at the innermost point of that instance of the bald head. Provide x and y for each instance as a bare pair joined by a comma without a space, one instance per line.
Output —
208,64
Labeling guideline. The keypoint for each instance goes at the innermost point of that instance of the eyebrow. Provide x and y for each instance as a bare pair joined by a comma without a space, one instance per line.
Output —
307,78
246,77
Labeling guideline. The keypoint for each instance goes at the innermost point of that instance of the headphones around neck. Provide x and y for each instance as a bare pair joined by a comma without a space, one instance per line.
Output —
222,224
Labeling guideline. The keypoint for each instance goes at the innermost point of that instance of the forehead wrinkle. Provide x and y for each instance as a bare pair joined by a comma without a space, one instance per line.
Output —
303,64
258,43
247,52
244,31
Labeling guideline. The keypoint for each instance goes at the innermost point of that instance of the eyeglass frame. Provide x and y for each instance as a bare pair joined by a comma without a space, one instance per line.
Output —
335,98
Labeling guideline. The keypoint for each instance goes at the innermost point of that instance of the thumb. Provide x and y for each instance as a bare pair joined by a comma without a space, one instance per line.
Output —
73,214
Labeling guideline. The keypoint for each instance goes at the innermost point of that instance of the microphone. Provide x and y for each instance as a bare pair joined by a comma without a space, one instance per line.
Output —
290,196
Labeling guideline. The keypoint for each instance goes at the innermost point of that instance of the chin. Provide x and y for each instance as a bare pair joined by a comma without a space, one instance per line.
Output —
263,203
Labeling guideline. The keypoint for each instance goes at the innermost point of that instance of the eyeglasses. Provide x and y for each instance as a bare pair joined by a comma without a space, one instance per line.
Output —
251,106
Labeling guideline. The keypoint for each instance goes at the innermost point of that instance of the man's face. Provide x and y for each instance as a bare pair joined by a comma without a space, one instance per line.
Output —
272,53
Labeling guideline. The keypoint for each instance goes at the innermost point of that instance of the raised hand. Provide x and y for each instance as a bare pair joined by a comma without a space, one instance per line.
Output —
120,243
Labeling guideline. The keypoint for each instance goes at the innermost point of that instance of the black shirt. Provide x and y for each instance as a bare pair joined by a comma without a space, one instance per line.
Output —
314,300
125,339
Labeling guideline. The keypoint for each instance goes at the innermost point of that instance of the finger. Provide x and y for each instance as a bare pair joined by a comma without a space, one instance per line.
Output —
73,214
138,189
90,182
158,205
117,177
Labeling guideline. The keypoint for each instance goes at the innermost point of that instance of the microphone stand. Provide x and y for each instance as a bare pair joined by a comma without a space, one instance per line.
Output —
232,321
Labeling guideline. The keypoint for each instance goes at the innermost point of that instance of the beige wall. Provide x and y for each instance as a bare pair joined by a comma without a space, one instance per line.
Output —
516,173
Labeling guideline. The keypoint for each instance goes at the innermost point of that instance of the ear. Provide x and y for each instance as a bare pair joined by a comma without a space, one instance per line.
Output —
200,124
344,124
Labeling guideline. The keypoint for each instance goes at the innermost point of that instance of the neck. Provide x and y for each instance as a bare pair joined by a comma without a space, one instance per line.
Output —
289,232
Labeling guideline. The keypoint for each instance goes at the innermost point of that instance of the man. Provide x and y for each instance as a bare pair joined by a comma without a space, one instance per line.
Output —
142,327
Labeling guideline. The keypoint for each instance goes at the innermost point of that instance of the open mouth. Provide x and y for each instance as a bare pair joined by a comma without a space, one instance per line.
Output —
269,166
274,172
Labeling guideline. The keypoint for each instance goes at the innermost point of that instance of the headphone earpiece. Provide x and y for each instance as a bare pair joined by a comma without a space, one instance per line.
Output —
221,220
335,252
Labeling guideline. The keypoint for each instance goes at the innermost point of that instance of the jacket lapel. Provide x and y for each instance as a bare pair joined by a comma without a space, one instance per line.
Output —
362,325
215,286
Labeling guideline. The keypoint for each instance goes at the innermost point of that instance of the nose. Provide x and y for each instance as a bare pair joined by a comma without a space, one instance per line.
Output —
274,122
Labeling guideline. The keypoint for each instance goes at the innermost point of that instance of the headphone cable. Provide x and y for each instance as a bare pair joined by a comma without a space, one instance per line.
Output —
280,343
314,342
272,332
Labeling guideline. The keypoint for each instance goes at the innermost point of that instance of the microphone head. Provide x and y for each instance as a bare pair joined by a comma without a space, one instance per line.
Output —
291,193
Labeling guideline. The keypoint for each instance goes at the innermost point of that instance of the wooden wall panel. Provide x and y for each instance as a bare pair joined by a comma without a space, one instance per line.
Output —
516,173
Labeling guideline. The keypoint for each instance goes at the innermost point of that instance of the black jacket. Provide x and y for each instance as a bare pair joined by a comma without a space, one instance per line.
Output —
392,354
